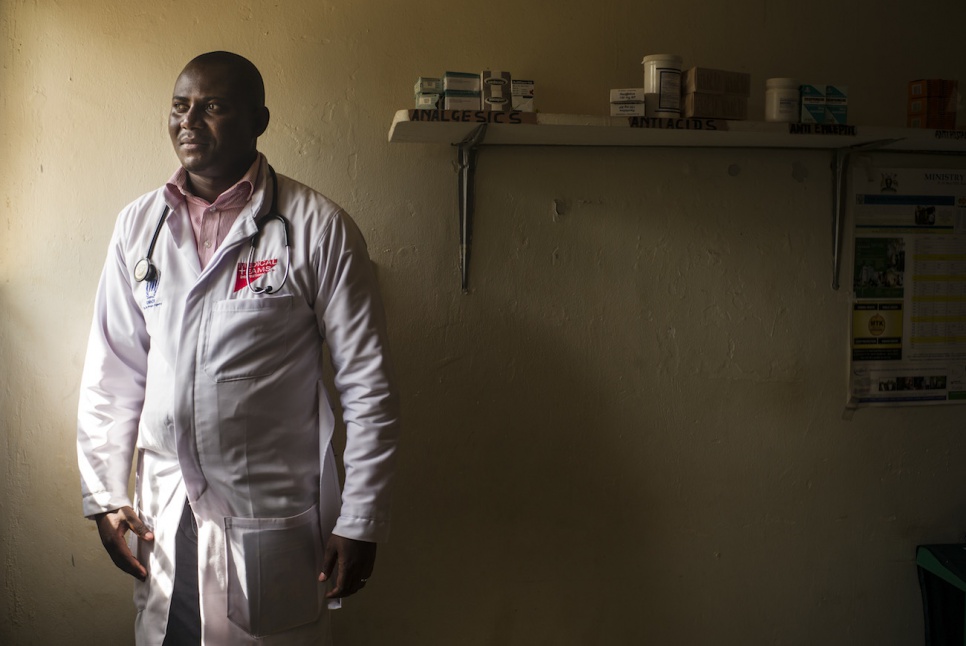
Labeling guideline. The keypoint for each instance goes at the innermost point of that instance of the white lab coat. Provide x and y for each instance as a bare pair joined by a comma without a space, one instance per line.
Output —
217,392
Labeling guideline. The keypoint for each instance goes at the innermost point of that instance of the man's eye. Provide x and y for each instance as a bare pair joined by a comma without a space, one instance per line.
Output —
214,107
179,107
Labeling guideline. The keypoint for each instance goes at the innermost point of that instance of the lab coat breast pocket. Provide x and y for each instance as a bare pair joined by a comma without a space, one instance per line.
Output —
246,337
273,569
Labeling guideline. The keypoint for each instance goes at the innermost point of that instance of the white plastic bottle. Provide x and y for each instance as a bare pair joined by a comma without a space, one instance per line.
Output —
782,98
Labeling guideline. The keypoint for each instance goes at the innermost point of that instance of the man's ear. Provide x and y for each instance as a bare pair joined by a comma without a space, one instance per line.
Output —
262,118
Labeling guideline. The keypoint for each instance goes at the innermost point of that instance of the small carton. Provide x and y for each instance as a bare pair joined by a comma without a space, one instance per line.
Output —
461,100
702,105
428,85
836,104
425,101
946,121
931,87
496,91
522,95
711,81
934,106
813,103
627,95
461,82
627,110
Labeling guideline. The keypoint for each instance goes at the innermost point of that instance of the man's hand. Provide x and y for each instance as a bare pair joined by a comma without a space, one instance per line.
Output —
355,560
112,526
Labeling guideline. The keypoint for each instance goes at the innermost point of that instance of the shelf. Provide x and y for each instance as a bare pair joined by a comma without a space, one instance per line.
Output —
470,129
452,127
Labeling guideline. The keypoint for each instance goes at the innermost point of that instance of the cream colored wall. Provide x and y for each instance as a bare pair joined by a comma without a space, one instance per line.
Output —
629,432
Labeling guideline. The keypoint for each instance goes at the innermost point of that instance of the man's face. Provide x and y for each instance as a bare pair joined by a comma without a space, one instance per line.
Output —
214,124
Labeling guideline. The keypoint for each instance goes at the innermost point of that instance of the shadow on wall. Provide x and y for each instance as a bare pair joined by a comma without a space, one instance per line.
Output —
520,515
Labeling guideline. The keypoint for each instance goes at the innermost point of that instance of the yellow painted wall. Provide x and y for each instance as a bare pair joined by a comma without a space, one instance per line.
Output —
629,432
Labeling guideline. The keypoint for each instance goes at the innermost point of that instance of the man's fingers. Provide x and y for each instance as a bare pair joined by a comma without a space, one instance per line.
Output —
353,562
328,562
111,527
138,527
123,559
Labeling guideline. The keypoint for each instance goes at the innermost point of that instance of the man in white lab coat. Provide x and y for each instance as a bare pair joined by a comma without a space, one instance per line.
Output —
204,369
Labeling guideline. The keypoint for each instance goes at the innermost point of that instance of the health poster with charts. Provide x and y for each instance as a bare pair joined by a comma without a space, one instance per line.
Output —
909,287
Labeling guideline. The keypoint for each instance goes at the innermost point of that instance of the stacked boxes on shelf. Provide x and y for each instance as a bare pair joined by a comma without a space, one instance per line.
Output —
427,92
627,102
489,90
932,104
824,104
461,91
715,94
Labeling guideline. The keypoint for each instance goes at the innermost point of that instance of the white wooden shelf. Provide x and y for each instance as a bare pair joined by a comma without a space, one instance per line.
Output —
572,130
470,129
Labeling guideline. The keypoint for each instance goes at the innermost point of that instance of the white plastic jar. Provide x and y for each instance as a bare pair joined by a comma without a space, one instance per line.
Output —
662,85
782,98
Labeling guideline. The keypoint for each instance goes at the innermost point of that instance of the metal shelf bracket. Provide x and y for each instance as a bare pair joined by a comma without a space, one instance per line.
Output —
466,162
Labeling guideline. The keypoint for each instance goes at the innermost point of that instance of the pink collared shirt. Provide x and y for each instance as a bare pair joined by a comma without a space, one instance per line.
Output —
211,222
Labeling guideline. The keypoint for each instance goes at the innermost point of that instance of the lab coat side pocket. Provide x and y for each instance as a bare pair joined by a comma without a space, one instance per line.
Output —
273,569
142,551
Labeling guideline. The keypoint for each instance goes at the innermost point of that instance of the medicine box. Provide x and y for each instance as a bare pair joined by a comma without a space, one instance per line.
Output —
702,105
428,85
523,92
945,122
932,104
932,87
711,81
813,103
459,100
426,101
836,104
496,91
627,95
627,110
461,82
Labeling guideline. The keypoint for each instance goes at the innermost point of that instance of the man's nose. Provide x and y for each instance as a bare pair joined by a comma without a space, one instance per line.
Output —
191,117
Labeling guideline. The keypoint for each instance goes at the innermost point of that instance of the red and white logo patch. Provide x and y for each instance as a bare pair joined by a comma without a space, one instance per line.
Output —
259,269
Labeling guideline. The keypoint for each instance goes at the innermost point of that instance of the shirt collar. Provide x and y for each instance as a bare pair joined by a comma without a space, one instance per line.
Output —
176,189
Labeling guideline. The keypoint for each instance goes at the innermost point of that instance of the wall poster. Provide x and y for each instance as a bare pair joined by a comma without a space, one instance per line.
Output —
908,339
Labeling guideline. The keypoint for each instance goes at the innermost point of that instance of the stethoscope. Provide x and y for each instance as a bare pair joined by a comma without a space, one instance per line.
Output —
146,270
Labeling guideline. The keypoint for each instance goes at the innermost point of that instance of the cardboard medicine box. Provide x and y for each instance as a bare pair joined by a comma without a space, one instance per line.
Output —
522,95
836,104
627,95
427,101
496,91
635,109
703,105
711,81
428,85
461,82
932,87
460,100
813,103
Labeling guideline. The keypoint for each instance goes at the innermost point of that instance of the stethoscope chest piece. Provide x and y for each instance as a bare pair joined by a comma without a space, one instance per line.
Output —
145,271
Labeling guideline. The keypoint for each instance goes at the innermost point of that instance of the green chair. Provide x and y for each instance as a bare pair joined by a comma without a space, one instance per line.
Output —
942,579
